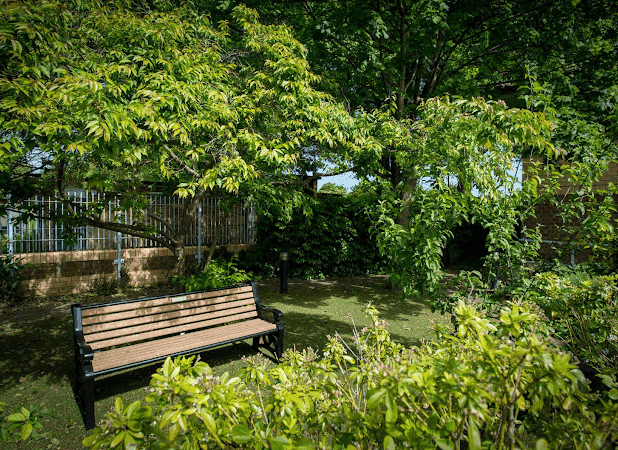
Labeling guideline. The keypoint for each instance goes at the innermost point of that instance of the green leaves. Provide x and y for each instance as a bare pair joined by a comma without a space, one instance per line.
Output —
241,434
218,273
383,397
582,309
22,418
467,387
460,158
116,96
22,425
474,436
328,236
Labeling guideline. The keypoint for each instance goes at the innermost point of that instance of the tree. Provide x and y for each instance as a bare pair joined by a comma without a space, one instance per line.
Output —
117,97
375,52
558,58
464,153
332,188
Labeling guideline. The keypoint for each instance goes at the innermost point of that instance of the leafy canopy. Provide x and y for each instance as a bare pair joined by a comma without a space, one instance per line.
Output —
118,97
221,107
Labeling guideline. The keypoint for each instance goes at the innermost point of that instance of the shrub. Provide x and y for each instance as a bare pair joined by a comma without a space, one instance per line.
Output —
333,239
485,386
583,310
10,279
219,273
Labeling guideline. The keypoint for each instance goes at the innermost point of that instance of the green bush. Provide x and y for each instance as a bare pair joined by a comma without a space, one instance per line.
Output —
583,310
489,385
10,279
219,273
334,239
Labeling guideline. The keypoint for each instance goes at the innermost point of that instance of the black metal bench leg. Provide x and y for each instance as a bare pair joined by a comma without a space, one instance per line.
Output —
79,388
256,344
279,347
89,402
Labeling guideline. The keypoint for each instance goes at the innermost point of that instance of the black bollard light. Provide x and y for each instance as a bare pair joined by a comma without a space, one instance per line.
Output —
494,283
283,271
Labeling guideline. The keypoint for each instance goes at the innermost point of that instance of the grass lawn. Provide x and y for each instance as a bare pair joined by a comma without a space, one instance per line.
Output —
36,348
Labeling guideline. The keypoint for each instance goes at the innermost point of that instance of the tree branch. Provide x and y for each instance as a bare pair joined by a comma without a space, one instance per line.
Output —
181,163
163,221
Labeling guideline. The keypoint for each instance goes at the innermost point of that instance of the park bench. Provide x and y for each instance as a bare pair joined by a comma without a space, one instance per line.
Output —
116,336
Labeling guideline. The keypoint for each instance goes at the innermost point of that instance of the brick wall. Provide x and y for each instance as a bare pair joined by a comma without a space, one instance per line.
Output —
56,273
547,214
547,218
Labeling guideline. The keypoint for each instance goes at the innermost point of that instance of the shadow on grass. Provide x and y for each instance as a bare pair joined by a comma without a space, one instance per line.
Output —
33,350
393,306
42,351
319,294
330,306
312,330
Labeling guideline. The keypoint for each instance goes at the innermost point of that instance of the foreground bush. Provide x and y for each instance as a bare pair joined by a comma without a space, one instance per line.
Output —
489,385
583,311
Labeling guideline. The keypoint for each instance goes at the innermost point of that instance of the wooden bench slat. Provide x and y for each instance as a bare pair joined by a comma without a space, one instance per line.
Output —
141,312
87,312
136,337
169,316
169,331
157,349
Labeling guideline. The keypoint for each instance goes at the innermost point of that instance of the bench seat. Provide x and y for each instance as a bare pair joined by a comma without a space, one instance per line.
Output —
153,350
118,336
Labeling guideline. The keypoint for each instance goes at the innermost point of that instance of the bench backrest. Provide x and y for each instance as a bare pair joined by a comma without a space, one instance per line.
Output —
139,320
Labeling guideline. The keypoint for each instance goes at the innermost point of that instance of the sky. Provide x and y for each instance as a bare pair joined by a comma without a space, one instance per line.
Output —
347,180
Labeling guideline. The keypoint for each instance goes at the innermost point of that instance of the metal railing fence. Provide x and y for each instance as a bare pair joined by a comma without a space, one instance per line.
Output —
40,235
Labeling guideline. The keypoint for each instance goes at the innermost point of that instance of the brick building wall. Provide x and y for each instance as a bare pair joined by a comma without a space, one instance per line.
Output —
553,238
567,185
547,214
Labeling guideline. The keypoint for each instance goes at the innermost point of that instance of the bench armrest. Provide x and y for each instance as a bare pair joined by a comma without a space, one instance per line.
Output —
278,315
84,351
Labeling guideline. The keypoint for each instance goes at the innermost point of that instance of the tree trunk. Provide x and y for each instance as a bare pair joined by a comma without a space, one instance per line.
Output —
410,185
189,208
179,255
213,245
